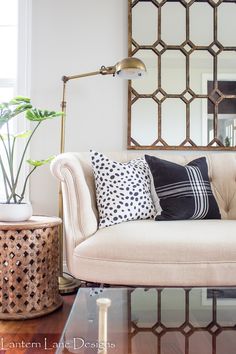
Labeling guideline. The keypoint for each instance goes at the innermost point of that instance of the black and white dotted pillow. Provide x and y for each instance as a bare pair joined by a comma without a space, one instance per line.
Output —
122,190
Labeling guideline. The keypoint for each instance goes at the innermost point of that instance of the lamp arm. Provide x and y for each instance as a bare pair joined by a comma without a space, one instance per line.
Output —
104,70
67,78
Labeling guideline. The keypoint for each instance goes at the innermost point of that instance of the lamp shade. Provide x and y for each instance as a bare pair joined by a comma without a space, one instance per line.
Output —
130,68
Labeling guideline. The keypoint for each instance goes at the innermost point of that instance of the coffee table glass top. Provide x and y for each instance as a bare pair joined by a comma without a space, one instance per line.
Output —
154,320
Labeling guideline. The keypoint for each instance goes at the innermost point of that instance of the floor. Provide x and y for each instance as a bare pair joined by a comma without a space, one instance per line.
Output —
38,335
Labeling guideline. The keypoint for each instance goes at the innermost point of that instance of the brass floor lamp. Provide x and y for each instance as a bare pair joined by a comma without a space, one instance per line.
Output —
128,68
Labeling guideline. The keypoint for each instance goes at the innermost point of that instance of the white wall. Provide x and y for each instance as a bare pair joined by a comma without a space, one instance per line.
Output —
71,37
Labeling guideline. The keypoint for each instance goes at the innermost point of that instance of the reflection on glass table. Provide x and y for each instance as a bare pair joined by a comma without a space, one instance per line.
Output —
154,320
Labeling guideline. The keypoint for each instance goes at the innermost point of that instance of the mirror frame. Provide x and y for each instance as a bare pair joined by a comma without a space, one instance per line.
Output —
214,97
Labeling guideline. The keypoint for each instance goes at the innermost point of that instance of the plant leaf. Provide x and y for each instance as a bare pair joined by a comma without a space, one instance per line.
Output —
3,105
19,99
12,108
3,120
22,107
24,134
37,163
39,115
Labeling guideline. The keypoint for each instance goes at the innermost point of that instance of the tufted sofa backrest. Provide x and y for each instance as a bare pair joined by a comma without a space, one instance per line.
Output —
221,167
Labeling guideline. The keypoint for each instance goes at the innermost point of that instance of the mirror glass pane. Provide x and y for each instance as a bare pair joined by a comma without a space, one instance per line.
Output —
148,83
226,341
144,307
226,129
226,110
197,126
201,24
200,313
226,63
173,13
201,66
227,24
144,31
173,71
144,121
205,340
172,299
173,121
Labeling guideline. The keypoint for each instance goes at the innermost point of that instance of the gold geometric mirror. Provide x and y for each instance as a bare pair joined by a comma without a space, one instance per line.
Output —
187,100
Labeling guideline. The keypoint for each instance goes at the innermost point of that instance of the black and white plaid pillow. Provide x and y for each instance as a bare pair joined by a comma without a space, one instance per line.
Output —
122,190
184,191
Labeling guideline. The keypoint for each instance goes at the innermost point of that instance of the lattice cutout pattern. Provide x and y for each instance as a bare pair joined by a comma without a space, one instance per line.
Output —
187,49
29,271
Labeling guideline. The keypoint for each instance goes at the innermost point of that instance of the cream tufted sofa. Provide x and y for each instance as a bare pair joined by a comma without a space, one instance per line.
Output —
147,252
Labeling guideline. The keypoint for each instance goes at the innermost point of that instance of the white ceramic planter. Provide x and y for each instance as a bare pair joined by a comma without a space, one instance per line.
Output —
15,212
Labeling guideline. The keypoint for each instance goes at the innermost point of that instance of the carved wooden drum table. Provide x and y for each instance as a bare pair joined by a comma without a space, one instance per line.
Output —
29,268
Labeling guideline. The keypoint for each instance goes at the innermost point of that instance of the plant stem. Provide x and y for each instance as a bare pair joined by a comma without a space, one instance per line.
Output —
24,187
13,148
4,173
5,186
10,162
5,178
23,154
5,147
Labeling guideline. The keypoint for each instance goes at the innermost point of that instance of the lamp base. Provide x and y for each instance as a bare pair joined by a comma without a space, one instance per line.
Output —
68,286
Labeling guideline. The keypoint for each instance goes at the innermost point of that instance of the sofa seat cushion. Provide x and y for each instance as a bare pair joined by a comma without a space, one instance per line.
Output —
196,252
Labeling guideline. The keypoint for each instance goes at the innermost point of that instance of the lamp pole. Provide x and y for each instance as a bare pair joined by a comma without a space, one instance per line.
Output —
127,68
69,285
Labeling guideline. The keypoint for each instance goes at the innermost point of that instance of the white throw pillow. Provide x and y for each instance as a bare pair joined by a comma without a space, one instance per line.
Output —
122,190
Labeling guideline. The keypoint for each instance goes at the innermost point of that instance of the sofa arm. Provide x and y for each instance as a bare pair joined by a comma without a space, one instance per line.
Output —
79,214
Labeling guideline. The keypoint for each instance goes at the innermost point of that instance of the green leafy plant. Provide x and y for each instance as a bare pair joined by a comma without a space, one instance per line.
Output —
10,171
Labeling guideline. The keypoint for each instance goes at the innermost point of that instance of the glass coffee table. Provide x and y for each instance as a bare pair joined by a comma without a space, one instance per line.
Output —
154,320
